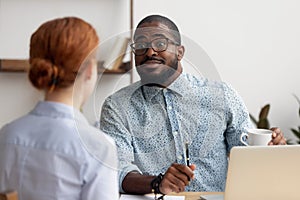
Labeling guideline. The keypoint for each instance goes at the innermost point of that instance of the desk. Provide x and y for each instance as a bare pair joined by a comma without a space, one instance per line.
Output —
187,195
193,195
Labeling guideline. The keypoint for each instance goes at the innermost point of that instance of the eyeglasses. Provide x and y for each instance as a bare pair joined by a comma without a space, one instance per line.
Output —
158,45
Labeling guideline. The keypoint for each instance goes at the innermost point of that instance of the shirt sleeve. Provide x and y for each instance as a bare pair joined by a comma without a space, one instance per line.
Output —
113,122
103,185
238,120
100,171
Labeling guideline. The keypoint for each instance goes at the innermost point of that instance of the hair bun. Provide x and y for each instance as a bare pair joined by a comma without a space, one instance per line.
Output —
40,73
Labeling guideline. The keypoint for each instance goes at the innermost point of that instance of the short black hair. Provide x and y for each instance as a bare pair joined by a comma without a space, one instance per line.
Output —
164,20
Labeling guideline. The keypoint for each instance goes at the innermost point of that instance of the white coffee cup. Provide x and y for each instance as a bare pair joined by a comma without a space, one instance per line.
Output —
256,137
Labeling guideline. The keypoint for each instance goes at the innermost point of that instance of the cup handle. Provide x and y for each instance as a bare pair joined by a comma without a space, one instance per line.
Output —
242,138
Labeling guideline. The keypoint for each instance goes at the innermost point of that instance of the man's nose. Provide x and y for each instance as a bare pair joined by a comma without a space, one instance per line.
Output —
150,52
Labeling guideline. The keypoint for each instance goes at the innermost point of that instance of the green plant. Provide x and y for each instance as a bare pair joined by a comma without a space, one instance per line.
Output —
297,132
262,121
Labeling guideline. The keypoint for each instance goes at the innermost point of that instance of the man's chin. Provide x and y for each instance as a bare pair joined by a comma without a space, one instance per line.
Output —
152,79
150,67
149,70
155,73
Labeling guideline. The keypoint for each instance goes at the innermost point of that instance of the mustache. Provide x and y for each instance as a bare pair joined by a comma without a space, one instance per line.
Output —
153,58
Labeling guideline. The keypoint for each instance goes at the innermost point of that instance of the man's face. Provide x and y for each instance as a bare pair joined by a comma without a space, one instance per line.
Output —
156,66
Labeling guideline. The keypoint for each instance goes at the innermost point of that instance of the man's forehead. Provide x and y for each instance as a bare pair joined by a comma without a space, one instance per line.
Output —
150,36
152,31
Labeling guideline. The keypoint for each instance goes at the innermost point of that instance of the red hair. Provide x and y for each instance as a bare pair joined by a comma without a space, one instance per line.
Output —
57,50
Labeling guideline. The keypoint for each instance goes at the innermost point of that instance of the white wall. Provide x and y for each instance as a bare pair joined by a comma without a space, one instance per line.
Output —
19,19
254,45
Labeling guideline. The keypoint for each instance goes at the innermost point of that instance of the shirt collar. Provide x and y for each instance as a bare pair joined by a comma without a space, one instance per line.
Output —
180,86
58,110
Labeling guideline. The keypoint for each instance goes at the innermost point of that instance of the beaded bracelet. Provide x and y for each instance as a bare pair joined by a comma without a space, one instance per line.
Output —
155,185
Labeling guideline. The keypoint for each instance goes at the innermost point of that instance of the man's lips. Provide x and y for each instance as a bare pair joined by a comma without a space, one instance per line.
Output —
153,61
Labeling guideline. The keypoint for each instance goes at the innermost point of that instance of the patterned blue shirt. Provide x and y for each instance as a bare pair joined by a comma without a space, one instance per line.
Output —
151,125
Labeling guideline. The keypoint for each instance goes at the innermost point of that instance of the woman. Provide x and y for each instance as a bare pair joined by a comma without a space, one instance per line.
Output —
52,152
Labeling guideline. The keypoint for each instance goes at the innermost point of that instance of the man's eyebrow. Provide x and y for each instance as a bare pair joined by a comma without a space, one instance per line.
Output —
160,35
139,37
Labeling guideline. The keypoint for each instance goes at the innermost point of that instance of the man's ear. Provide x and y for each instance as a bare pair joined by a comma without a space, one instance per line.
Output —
180,52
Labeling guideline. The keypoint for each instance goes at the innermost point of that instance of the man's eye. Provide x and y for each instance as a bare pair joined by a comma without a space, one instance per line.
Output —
160,44
140,46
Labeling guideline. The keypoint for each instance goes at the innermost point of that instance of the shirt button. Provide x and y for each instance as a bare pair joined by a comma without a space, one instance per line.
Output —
179,157
170,107
175,133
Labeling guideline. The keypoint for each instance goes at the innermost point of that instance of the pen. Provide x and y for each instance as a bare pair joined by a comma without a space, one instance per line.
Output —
187,154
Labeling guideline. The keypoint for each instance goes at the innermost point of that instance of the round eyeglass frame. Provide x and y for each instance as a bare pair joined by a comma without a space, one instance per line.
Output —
142,51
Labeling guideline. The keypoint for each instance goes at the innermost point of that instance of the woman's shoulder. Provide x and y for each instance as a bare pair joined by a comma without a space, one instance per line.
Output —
98,144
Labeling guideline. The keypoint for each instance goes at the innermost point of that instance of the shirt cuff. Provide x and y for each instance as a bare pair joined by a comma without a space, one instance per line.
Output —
124,173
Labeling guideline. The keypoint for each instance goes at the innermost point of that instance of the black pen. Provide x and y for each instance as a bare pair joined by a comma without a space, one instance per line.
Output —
187,154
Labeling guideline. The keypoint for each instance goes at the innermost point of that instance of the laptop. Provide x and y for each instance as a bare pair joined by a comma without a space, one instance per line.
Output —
262,173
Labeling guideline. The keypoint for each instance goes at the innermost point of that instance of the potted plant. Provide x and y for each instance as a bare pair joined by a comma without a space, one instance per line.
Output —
262,121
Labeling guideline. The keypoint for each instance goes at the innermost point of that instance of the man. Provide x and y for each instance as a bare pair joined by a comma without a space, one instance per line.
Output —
152,120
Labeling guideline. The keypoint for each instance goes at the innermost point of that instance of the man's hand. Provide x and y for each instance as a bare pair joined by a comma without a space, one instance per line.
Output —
277,137
176,178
